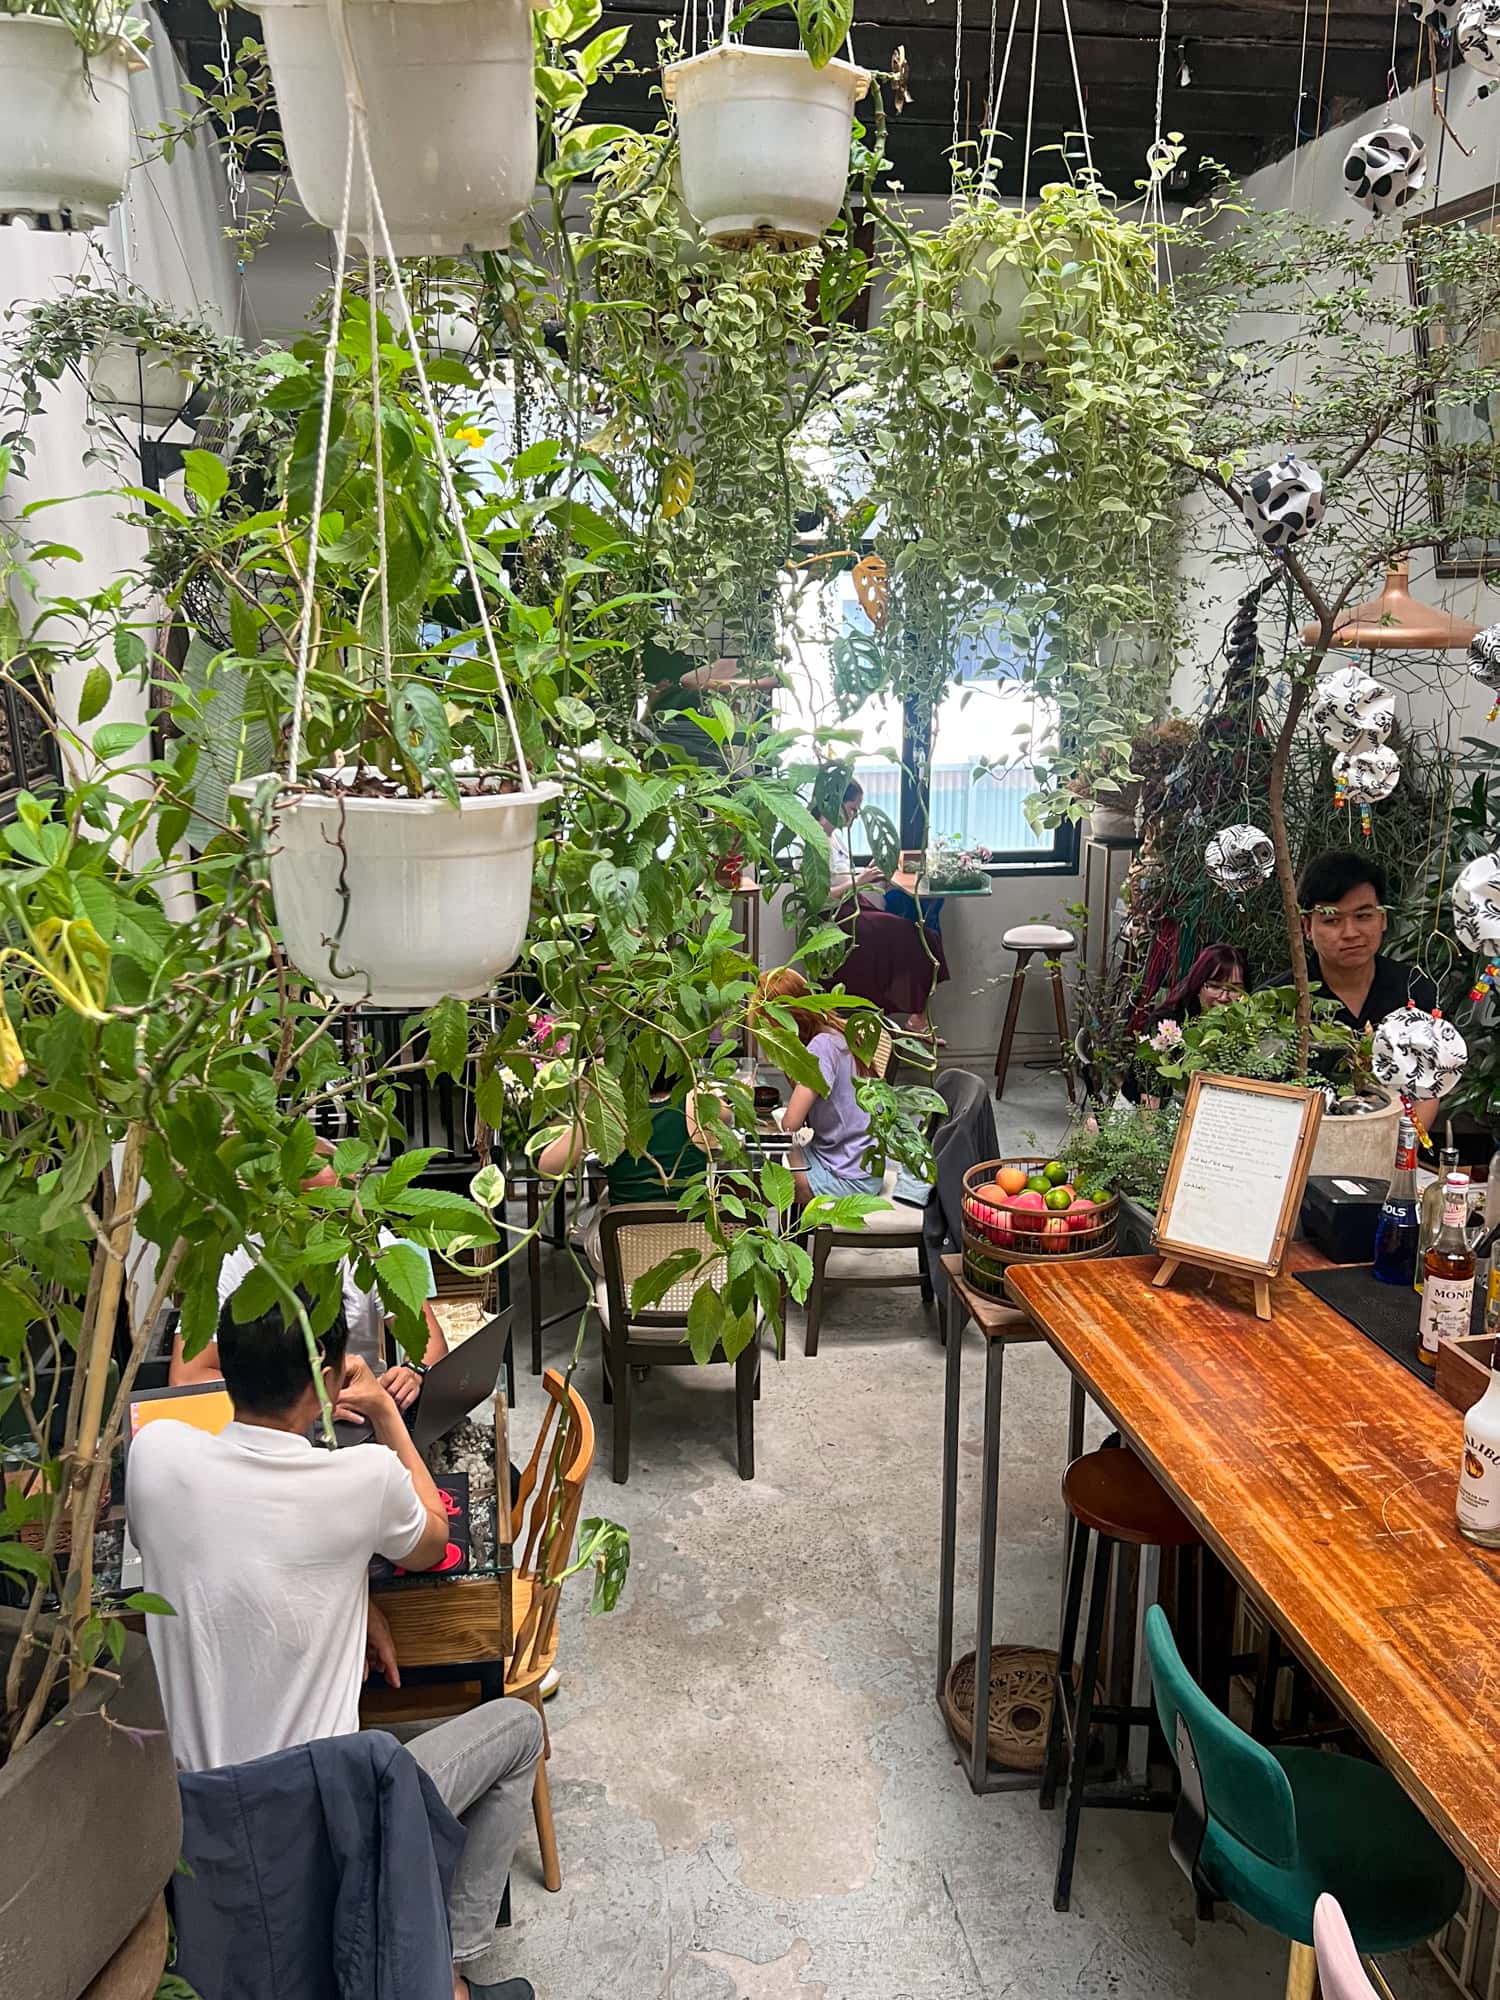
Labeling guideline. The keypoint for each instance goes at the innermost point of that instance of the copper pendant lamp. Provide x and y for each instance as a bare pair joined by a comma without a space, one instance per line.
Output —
1396,622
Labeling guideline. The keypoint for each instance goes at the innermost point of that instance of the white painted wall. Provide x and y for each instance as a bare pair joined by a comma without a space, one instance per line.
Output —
1310,182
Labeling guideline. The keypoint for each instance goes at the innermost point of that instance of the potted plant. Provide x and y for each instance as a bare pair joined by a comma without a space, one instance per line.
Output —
451,103
764,134
65,131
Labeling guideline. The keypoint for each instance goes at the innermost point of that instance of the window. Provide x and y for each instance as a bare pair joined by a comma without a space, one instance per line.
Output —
982,738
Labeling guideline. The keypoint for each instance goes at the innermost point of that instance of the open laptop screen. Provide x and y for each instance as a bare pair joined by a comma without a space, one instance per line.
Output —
204,1405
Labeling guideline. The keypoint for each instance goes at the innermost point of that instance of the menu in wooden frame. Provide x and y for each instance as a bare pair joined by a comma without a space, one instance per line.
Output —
1235,1183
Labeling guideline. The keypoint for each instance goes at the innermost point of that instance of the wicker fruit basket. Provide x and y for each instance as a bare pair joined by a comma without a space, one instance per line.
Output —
994,1236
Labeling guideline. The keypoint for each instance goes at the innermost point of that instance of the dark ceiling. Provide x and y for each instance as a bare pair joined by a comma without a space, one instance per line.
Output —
1263,74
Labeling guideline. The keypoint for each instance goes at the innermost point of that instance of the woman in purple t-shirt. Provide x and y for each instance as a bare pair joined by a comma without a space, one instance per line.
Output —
833,1160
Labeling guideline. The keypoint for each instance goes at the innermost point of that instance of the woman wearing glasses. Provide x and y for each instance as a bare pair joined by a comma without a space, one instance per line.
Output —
1219,975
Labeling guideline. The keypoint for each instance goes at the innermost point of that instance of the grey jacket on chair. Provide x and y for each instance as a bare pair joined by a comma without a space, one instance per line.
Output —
318,1873
964,1137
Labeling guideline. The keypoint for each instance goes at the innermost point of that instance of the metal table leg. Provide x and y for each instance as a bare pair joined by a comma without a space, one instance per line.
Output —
955,1318
989,1525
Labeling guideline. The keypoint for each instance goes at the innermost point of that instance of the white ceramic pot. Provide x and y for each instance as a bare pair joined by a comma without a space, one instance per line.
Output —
452,112
65,131
139,383
763,139
992,297
438,896
1362,1143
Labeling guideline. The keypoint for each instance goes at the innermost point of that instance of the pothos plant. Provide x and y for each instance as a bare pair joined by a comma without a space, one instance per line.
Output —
1256,1036
823,26
95,25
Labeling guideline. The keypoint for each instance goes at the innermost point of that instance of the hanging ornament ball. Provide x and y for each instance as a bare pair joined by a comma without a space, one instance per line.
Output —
1385,169
1365,777
1484,657
1476,29
1476,903
1422,1055
1238,857
1284,500
1439,14
1353,711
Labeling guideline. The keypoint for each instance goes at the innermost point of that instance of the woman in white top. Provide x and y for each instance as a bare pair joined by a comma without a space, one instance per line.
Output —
892,963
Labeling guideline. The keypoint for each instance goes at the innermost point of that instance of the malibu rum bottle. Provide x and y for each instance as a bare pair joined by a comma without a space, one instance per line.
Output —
1448,1274
1479,1474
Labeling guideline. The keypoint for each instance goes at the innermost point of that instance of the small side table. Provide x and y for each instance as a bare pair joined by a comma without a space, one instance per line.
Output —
1101,850
1001,1326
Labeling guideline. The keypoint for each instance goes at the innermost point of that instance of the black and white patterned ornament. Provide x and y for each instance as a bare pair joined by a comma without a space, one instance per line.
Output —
1385,169
1363,778
1422,1055
1352,709
1476,903
1284,500
1239,857
1439,14
1484,662
1476,29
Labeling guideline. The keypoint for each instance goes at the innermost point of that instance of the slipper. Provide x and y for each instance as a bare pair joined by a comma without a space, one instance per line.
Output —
508,1989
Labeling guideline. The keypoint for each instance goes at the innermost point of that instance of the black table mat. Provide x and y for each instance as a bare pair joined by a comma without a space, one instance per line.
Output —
1387,1313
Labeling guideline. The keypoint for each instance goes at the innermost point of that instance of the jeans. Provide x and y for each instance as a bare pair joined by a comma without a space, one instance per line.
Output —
483,1763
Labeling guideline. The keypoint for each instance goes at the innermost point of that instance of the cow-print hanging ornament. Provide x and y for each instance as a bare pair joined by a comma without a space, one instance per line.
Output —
1239,857
1352,709
1284,500
1477,33
1484,663
1422,1055
1439,14
1385,169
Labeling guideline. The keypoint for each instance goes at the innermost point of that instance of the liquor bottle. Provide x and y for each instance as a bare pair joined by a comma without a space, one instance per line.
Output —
1491,1221
1396,1231
1430,1207
1479,1472
1448,1288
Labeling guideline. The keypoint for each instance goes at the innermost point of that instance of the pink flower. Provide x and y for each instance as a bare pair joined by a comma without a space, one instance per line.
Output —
1167,1037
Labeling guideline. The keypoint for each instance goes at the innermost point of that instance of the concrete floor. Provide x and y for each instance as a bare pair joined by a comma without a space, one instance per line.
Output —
755,1795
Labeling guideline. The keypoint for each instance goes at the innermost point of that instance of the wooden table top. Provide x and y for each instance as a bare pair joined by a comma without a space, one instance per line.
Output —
1324,1474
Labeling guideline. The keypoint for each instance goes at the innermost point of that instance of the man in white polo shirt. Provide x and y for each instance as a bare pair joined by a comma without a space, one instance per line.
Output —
260,1541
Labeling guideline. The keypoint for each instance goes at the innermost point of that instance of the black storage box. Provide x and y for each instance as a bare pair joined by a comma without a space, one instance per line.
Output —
1339,1214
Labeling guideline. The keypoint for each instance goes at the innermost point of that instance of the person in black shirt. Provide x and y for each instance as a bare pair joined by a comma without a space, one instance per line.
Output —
1343,899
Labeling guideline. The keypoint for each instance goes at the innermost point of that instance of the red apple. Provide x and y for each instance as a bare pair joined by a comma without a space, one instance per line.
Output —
1084,1214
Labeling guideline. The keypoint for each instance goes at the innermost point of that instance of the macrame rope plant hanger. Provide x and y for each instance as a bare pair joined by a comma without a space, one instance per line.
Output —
996,90
479,939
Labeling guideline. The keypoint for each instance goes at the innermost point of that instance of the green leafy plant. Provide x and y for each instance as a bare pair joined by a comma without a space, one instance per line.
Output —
823,26
1254,1036
1126,1151
94,24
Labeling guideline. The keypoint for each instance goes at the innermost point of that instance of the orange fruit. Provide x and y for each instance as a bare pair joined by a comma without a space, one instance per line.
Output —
1012,1179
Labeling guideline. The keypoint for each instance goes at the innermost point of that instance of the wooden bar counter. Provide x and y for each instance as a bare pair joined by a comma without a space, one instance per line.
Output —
1324,1474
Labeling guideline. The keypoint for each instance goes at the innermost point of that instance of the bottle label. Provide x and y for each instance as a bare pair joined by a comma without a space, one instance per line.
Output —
1479,1483
1446,1307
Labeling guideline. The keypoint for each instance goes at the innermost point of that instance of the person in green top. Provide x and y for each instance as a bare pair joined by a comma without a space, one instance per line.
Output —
675,1155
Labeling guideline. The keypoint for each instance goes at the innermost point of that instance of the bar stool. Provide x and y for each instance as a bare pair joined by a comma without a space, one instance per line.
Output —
1028,941
1112,1497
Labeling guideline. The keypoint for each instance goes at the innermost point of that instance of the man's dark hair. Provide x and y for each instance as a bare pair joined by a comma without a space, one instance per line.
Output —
1329,877
264,1361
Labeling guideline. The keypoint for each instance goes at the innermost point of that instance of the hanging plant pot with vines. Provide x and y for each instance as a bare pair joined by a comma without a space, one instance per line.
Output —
450,98
764,134
65,130
402,835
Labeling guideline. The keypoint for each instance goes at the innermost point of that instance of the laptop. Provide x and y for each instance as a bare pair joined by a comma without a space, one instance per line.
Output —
460,1382
205,1405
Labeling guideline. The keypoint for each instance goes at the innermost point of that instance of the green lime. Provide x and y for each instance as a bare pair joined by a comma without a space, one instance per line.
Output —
1055,1173
1097,1195
1059,1199
1038,1184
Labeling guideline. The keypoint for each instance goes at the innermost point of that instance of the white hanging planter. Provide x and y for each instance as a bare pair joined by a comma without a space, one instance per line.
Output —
449,88
141,383
438,896
764,142
992,297
65,131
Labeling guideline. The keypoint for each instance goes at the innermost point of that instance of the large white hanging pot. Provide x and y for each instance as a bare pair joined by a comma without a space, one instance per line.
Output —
451,99
992,295
763,139
141,383
438,896
65,132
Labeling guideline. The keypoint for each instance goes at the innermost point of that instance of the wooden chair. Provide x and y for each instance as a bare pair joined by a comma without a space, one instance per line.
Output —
1049,942
633,1238
454,1633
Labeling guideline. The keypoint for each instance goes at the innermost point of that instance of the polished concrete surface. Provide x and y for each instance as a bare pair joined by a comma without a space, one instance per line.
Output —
755,1795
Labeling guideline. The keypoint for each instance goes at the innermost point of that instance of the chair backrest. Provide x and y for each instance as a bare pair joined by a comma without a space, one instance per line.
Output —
880,1062
634,1237
1341,1975
1245,1790
545,1511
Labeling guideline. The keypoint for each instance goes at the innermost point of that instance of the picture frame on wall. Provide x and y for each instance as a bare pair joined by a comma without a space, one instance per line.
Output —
1461,440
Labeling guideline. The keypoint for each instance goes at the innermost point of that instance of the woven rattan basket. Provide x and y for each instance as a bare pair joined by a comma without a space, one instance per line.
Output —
1021,1679
992,1238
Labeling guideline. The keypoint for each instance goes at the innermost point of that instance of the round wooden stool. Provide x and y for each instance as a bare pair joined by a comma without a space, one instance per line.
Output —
1051,943
1111,1498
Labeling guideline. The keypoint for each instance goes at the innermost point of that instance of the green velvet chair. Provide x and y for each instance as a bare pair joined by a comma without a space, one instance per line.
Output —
1270,1830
